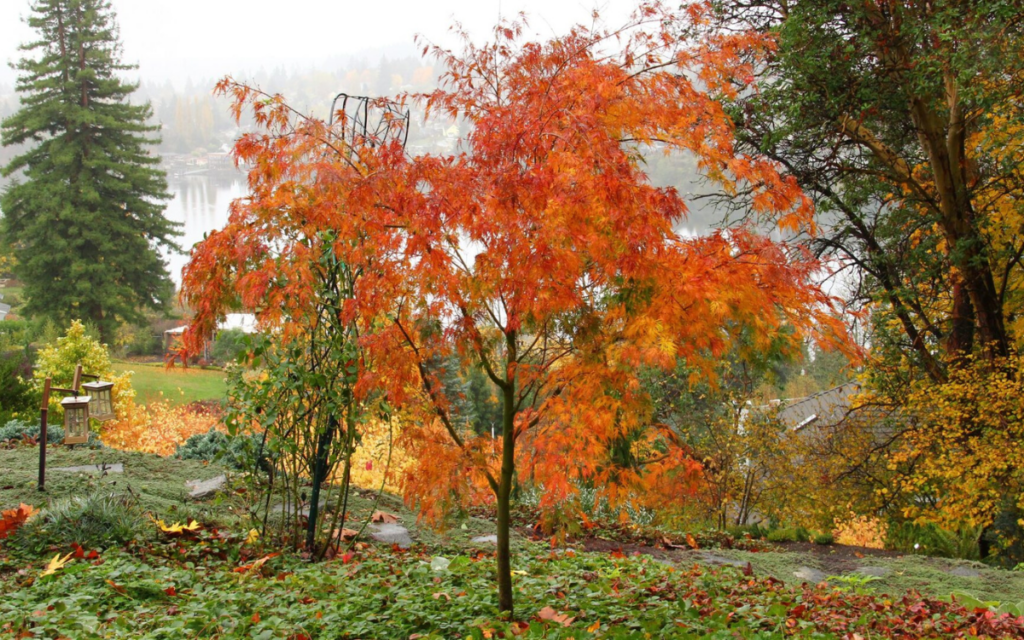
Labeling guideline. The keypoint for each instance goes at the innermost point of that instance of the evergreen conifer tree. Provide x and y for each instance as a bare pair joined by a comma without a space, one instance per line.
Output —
84,215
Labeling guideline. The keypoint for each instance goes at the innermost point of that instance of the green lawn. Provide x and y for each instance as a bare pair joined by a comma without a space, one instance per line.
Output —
178,385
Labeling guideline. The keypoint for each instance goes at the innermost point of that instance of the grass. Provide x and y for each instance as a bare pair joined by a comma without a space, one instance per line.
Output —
158,482
178,386
930,576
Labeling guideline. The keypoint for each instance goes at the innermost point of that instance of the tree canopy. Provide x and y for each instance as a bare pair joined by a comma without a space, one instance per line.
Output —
540,253
84,217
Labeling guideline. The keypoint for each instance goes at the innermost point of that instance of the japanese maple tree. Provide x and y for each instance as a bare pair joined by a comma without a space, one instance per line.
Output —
540,253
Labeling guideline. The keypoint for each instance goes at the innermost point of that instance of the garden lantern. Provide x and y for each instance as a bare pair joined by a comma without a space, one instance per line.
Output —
76,419
101,407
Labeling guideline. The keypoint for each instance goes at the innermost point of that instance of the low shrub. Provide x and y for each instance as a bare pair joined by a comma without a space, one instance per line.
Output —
216,446
825,538
158,427
18,430
755,531
97,521
797,534
860,531
928,539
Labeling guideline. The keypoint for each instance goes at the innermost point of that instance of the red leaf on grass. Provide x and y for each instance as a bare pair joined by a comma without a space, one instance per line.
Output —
382,516
547,613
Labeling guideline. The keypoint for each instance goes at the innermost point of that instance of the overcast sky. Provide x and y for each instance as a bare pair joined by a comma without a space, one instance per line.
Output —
175,39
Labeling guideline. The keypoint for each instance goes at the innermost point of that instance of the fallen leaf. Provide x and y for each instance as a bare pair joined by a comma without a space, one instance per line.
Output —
547,613
253,536
55,563
442,593
118,588
381,516
256,618
690,540
346,534
11,519
255,566
177,527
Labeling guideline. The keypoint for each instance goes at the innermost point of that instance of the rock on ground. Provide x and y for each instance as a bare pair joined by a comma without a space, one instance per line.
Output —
877,572
206,488
710,558
391,534
810,575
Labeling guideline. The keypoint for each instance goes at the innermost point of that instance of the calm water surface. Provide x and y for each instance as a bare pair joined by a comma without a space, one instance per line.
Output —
200,203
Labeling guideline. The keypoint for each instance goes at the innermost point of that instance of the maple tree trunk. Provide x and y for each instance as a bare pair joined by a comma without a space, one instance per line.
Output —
504,496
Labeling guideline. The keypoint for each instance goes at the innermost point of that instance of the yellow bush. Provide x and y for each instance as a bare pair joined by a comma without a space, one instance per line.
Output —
157,427
57,361
370,459
860,531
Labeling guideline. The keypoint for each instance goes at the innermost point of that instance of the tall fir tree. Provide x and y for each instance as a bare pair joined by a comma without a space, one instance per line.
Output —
84,215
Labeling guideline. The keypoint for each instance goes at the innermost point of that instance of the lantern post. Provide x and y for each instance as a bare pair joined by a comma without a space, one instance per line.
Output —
76,413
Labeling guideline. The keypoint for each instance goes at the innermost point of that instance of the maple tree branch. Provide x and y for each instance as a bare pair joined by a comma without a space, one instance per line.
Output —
478,345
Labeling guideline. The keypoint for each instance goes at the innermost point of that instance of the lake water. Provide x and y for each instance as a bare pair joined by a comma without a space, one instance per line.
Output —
201,203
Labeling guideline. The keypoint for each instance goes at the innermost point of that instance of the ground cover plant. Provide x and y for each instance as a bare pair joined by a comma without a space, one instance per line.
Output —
158,483
210,585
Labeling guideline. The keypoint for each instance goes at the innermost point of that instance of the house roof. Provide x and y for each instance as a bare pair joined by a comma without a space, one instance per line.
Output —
825,407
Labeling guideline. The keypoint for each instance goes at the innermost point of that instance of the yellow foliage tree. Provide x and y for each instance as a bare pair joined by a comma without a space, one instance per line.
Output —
964,446
58,361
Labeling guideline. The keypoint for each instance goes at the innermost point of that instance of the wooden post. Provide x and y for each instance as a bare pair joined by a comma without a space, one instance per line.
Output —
43,410
76,384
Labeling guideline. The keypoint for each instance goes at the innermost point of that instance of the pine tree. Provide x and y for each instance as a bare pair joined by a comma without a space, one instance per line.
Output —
84,216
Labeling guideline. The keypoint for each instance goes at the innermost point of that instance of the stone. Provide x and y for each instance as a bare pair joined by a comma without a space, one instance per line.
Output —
712,559
491,539
965,572
876,572
391,534
117,467
810,575
437,563
206,488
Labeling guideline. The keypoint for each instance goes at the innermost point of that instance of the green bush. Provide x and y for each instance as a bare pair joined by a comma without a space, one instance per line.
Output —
17,394
798,534
97,521
143,342
215,446
230,343
823,538
18,430
755,531
930,540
